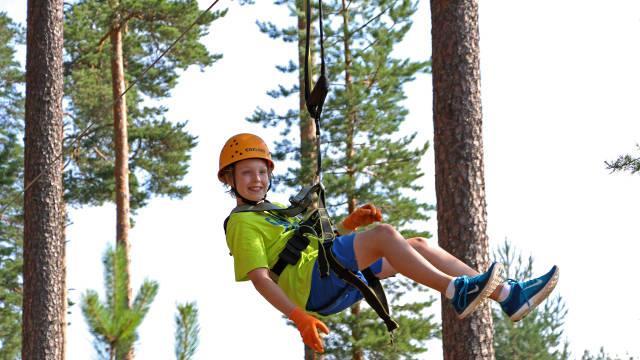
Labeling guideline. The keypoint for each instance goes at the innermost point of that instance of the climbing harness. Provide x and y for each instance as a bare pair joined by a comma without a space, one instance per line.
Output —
315,223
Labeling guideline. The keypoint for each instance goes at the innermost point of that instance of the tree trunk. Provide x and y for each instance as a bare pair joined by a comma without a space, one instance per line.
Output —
121,143
44,301
121,148
357,353
460,194
308,141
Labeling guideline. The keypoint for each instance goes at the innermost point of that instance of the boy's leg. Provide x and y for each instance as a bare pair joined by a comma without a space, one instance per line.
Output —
441,259
384,241
525,296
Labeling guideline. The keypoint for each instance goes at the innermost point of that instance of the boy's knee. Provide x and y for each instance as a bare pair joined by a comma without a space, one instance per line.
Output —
386,231
417,242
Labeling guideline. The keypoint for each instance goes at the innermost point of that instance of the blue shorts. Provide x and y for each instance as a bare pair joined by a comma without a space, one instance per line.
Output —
330,295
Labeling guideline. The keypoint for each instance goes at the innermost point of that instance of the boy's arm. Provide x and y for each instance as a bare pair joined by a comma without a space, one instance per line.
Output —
270,290
306,324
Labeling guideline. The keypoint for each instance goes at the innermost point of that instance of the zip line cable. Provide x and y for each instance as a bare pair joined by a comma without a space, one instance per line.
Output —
86,130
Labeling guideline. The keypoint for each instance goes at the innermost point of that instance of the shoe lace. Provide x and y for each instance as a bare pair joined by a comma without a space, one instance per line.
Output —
513,282
462,299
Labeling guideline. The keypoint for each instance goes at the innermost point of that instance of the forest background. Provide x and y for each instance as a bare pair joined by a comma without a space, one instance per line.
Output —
559,91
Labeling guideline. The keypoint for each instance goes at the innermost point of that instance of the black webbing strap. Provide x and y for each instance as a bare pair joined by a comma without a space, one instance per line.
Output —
314,99
376,286
292,251
369,295
318,224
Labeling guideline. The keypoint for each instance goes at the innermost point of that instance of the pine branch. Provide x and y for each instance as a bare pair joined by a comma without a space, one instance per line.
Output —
362,27
187,331
624,163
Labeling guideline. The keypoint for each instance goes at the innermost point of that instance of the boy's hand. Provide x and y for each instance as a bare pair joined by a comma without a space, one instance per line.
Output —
362,216
308,327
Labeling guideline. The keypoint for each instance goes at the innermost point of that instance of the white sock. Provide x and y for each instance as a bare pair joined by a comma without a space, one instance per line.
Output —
451,290
504,292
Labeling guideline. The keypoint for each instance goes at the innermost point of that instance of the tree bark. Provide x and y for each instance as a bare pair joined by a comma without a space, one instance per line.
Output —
351,118
460,191
121,148
308,141
44,300
357,353
121,143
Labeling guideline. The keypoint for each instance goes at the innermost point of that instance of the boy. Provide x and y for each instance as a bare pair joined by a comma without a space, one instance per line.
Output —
255,240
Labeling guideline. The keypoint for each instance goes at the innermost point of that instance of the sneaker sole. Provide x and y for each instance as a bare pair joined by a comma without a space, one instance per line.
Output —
494,280
537,298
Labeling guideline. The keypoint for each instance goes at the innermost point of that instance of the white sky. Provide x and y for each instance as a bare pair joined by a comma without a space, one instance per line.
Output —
559,95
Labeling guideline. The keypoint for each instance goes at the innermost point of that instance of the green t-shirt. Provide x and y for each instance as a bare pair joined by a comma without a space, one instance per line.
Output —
255,240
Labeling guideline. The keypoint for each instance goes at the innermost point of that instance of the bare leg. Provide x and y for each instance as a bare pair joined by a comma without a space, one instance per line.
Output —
440,258
384,241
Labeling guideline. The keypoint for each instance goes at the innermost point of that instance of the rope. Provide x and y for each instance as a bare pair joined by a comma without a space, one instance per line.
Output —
86,130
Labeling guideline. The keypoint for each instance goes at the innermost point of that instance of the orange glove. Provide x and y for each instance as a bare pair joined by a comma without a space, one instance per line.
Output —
361,216
308,327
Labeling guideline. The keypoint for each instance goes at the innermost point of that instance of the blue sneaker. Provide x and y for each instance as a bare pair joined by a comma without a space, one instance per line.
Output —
526,295
470,291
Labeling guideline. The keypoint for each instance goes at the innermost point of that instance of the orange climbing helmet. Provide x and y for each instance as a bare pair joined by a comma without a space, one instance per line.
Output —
243,146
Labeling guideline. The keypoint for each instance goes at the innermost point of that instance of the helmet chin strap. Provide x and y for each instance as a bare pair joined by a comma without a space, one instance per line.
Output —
245,200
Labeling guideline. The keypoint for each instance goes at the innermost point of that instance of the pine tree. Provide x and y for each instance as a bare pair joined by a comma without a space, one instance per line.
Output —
602,355
11,166
373,343
128,150
364,158
187,331
628,162
307,125
159,148
459,165
539,335
113,323
43,311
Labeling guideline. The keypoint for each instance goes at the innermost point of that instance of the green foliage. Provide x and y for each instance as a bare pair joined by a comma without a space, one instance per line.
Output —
11,76
602,355
625,163
187,331
408,341
366,114
364,157
540,334
11,173
113,324
159,148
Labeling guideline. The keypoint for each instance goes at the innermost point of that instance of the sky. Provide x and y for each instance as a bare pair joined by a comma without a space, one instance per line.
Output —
559,97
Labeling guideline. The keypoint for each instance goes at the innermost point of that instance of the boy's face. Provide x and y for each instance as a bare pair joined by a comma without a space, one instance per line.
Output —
252,179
